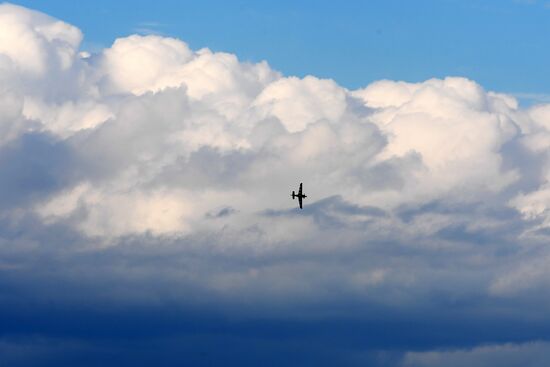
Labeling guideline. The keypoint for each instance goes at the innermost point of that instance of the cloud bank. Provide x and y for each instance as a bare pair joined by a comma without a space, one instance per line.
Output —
144,200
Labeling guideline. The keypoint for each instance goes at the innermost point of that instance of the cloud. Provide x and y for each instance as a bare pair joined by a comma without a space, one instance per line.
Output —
509,355
36,43
152,180
33,166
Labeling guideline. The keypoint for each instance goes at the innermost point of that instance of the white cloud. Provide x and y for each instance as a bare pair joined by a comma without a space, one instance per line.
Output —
36,43
300,102
139,64
158,137
457,128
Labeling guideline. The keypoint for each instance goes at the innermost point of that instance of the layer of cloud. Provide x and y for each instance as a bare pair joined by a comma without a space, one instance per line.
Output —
505,355
150,176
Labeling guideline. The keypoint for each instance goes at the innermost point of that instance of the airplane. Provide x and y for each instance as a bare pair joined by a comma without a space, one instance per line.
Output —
299,195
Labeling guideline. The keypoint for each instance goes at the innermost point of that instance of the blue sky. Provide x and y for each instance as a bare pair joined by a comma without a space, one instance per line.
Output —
503,45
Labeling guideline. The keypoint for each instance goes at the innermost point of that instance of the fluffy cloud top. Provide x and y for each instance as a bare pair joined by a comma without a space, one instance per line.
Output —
423,198
35,43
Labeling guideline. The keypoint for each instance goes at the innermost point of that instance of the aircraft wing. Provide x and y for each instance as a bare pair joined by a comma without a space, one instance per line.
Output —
300,191
300,199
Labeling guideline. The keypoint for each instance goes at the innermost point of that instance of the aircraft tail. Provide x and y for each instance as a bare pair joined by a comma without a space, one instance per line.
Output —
293,195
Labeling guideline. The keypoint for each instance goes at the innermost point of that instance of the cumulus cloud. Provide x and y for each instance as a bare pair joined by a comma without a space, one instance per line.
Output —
36,43
149,174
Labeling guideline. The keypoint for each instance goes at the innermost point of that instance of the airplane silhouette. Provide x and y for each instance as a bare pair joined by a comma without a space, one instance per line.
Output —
300,196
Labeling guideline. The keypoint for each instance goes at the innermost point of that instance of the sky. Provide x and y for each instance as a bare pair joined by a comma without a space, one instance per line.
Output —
146,166
354,43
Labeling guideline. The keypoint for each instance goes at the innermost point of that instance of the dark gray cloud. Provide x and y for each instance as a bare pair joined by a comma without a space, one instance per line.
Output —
33,167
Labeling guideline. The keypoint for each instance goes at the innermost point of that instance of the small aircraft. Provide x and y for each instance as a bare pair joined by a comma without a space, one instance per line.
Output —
299,195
